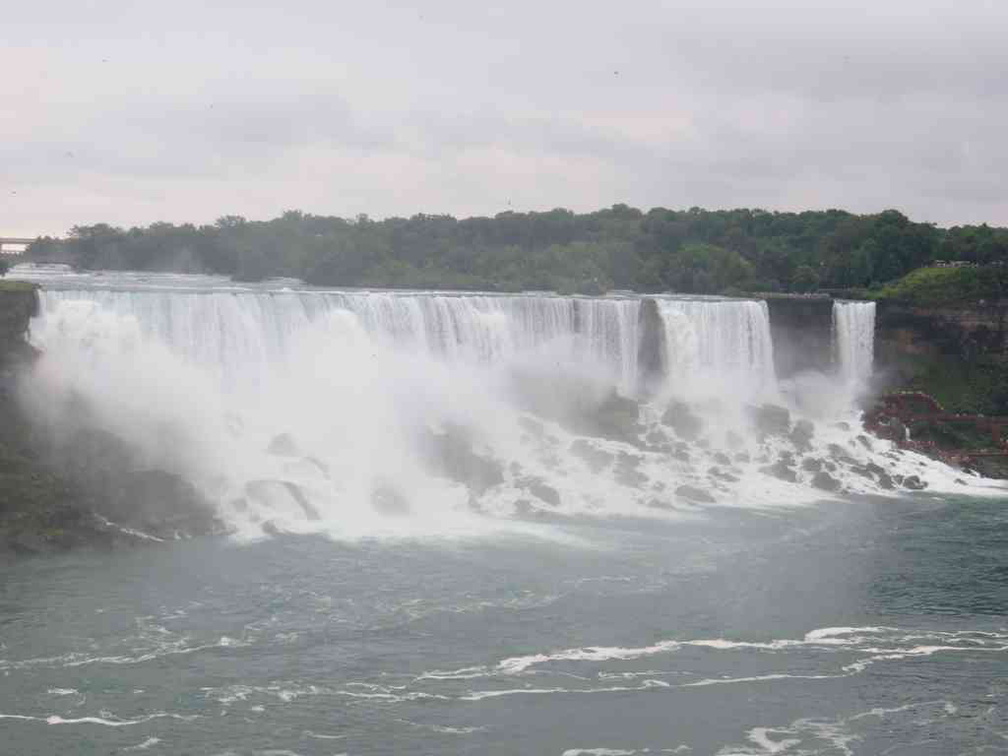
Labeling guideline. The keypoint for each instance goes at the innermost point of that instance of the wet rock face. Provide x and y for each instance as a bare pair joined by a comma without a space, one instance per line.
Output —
781,471
770,420
164,504
718,474
680,418
695,495
388,500
801,435
451,454
627,473
596,459
17,306
283,445
541,490
914,483
616,417
825,482
840,454
802,333
812,465
651,352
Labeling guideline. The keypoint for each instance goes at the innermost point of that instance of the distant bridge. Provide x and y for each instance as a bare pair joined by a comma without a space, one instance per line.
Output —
13,241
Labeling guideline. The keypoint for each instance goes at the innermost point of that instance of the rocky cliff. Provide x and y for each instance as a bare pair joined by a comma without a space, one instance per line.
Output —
959,354
802,329
54,498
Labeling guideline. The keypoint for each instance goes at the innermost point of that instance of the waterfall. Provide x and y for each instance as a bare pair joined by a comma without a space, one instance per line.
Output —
361,409
725,341
235,333
854,340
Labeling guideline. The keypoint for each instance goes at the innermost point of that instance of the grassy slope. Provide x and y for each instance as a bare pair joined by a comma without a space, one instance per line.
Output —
937,287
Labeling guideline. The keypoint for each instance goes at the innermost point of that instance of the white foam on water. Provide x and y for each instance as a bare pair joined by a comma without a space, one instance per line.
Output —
148,743
106,720
863,646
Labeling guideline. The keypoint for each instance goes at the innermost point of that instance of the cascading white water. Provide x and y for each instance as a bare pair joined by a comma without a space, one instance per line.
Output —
716,345
854,338
379,412
241,333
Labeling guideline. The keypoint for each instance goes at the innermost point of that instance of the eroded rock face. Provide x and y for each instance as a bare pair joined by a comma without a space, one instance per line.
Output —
163,503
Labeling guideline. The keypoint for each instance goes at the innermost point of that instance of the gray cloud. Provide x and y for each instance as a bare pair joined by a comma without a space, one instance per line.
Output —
135,112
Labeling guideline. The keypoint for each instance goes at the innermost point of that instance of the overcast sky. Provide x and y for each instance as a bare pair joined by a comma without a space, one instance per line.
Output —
134,112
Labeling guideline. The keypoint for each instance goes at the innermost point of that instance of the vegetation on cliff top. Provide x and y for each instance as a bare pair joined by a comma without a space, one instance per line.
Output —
17,286
936,287
620,247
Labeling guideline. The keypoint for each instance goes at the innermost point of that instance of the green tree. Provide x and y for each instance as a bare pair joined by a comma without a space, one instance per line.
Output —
707,269
804,279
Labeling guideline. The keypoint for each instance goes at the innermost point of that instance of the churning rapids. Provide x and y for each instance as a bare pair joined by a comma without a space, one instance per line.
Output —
468,523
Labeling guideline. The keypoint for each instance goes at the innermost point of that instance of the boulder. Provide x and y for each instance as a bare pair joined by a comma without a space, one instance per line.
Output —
914,483
451,454
283,445
299,496
801,435
387,500
840,454
695,495
656,437
680,418
825,482
596,459
162,503
770,420
617,417
627,473
811,464
781,471
719,474
541,490
659,504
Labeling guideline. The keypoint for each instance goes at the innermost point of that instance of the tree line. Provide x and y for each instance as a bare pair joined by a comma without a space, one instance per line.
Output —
621,247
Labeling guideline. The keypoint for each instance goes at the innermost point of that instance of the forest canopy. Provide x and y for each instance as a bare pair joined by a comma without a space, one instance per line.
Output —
695,250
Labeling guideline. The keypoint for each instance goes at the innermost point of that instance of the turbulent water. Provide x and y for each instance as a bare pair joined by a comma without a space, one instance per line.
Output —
498,524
